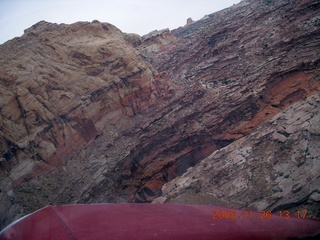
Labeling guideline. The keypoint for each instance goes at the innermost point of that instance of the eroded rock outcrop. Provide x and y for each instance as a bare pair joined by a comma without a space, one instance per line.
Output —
90,114
61,85
249,62
276,167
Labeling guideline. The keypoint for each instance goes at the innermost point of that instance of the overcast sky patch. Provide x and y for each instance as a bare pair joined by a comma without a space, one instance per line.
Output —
131,16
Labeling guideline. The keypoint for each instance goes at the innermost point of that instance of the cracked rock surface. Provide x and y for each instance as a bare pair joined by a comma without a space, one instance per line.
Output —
276,167
90,114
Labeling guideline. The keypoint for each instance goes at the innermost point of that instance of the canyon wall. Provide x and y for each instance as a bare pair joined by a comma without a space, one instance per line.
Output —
61,86
276,167
91,114
249,62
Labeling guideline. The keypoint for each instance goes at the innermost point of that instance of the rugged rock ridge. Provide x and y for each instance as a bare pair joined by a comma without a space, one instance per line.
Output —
61,85
267,46
86,118
258,57
58,94
276,167
249,62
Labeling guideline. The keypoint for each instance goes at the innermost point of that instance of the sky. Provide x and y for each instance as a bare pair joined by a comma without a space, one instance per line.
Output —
130,16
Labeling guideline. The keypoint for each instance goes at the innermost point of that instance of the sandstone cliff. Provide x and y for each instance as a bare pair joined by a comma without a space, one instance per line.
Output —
91,114
276,167
253,61
61,86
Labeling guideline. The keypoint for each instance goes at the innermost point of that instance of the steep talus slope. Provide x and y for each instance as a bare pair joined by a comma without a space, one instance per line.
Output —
276,167
90,114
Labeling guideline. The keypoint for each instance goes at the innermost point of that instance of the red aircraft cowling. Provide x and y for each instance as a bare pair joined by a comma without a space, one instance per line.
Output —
156,221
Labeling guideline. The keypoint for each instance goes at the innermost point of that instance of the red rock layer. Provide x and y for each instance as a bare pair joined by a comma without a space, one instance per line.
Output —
86,118
244,65
60,86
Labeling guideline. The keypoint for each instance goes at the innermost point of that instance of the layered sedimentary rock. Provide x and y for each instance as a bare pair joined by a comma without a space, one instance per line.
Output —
248,63
263,54
276,167
61,85
90,114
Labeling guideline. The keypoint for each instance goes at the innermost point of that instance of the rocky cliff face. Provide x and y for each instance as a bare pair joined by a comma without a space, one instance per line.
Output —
90,114
253,61
61,86
276,167
263,54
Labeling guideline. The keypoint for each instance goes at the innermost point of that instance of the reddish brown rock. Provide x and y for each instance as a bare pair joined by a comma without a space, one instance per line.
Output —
276,167
61,85
67,101
242,70
85,117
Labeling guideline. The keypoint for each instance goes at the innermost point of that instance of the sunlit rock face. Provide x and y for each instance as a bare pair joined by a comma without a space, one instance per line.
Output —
91,114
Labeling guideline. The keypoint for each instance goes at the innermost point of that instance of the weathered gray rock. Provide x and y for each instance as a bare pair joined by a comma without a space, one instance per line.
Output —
90,114
268,169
